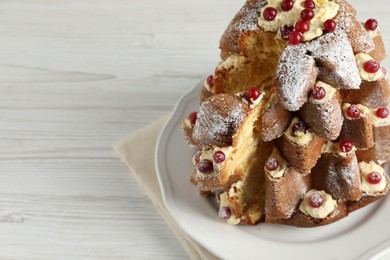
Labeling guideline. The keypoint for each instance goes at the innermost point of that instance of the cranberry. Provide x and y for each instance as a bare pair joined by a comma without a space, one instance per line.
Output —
285,31
253,93
318,93
371,66
287,5
309,4
382,112
316,200
299,127
353,111
330,25
374,178
345,146
197,156
269,13
272,165
307,14
302,26
295,38
225,213
205,166
219,157
193,116
371,24
210,80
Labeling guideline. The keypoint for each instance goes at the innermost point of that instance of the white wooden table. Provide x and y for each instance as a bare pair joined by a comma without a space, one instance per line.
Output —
75,76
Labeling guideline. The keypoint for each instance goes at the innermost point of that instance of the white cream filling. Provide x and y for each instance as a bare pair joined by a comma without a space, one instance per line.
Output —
302,139
365,169
329,90
364,111
279,172
232,220
330,147
377,121
209,155
206,85
374,33
362,58
321,212
324,10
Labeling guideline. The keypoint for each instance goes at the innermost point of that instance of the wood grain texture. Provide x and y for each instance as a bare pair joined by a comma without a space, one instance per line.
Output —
77,75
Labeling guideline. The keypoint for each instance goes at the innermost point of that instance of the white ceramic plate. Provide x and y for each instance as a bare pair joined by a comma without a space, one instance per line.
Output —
364,234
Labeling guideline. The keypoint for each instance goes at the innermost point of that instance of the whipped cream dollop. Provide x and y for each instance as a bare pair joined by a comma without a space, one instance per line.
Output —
364,111
378,121
231,219
321,212
330,147
329,90
281,162
361,59
324,10
303,138
209,155
365,170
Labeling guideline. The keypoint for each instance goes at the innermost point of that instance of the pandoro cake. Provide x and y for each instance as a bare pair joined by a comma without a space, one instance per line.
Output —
293,126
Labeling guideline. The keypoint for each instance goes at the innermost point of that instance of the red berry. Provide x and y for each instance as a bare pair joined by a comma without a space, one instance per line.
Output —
345,146
302,26
197,156
253,93
371,66
316,200
371,24
330,25
193,116
205,166
295,38
210,80
287,5
382,112
225,213
309,4
307,14
285,31
219,157
269,13
272,165
353,111
374,178
318,93
299,127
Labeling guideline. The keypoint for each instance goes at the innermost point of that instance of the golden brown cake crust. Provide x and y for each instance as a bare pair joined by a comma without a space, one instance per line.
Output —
274,120
380,152
373,94
359,131
379,53
302,157
239,29
325,119
284,194
338,176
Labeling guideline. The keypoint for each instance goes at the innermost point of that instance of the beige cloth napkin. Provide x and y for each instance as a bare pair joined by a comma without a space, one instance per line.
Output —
133,149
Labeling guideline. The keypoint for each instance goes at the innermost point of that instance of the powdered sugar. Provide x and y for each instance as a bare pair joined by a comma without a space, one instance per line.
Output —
294,77
218,119
334,60
245,20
